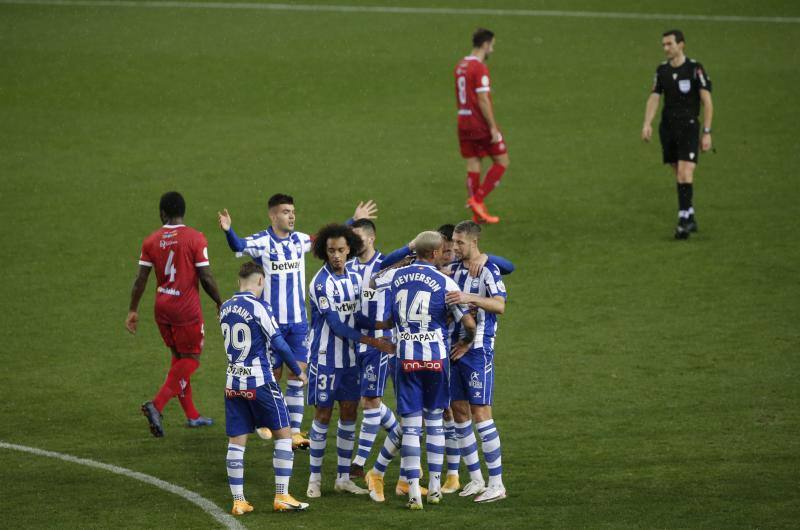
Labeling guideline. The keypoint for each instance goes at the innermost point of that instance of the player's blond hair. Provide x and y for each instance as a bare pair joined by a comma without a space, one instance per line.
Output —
426,242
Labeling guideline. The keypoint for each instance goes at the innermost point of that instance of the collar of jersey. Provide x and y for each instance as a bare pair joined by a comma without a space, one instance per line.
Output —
172,226
371,260
472,58
421,264
330,271
274,236
244,293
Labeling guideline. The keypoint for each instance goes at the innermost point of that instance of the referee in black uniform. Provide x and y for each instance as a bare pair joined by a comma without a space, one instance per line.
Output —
685,84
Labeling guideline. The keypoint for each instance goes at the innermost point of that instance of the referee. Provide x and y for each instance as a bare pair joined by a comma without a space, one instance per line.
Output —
685,84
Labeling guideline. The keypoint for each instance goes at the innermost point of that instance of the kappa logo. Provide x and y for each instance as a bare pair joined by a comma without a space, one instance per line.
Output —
475,381
369,373
235,463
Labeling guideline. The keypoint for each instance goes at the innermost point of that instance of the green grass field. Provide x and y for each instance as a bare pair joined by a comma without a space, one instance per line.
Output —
641,382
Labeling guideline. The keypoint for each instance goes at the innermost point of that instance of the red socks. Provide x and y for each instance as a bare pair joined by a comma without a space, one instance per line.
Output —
473,182
493,177
181,370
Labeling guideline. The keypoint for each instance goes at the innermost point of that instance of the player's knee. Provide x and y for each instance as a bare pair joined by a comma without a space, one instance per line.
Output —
370,402
503,161
348,410
323,415
460,411
280,434
481,413
448,414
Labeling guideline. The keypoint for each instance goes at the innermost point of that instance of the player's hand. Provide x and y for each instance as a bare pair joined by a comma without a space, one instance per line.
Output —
366,210
456,297
224,219
496,136
303,378
458,350
647,132
132,321
705,143
475,268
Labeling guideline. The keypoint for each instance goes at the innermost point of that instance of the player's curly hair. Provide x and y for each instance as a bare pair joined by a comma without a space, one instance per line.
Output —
172,204
320,246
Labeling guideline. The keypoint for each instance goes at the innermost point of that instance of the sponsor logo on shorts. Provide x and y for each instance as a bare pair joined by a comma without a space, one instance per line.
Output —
249,394
475,380
323,396
416,366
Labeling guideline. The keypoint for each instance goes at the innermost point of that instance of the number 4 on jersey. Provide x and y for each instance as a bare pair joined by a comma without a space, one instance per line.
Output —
169,269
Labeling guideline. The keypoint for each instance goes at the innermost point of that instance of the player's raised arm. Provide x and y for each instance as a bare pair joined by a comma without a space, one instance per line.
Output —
366,210
236,243
139,284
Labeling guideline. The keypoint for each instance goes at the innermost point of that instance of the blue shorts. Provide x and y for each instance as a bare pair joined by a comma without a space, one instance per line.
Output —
266,409
373,367
327,384
422,389
472,377
295,336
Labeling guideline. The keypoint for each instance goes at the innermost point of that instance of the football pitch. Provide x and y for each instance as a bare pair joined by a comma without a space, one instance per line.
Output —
641,382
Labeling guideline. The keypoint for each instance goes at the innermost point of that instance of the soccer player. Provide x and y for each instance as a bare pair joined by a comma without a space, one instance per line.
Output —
280,250
179,255
420,314
472,377
478,133
373,364
333,371
252,396
685,85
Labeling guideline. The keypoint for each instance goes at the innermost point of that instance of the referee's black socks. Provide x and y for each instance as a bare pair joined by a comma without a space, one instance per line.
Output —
685,209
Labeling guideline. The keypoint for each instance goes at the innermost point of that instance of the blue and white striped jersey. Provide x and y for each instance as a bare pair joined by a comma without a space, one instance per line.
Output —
373,302
419,310
333,296
488,284
247,328
285,269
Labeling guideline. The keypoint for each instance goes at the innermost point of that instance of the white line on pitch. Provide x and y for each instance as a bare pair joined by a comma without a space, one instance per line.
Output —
206,505
177,4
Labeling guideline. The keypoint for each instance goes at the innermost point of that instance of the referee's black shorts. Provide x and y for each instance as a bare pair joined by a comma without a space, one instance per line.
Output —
680,140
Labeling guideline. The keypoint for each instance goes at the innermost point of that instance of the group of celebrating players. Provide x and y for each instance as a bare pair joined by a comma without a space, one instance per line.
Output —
423,316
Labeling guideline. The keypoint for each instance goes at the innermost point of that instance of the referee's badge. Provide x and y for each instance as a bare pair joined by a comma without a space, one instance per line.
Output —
685,85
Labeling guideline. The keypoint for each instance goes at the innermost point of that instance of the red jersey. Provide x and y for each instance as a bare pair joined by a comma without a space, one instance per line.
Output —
174,251
472,78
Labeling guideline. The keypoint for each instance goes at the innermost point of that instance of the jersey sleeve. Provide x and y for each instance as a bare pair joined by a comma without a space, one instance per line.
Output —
265,319
702,77
457,310
145,258
305,241
658,88
254,246
384,280
493,281
481,79
200,251
321,295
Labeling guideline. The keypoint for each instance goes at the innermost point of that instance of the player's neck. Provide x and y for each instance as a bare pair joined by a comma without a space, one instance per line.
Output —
477,52
337,272
283,234
367,255
472,260
678,60
173,221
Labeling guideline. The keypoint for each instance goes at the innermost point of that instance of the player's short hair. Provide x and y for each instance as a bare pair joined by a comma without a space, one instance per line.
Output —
480,36
334,231
172,204
470,228
678,34
426,242
364,224
249,268
279,198
446,231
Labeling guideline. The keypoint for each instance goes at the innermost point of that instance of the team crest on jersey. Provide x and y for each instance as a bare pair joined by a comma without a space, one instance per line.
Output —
475,283
369,374
475,381
685,85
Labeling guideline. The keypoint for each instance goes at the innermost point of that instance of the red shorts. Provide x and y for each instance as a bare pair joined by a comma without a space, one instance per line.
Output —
481,147
183,339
